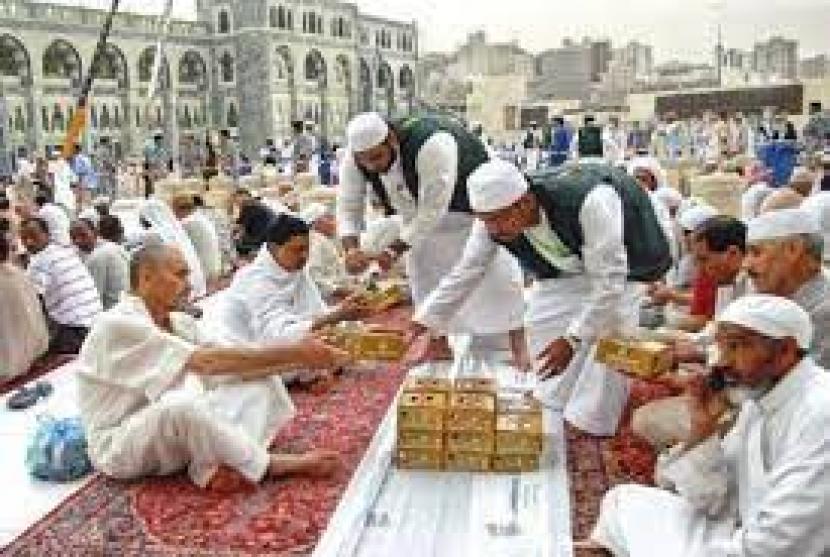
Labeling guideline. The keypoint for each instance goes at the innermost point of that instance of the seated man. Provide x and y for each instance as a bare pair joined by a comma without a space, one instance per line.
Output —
108,262
23,333
775,458
143,413
326,262
274,297
63,281
202,235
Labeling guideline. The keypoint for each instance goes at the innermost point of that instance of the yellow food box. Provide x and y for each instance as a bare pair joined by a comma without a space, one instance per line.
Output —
421,440
422,411
365,344
637,357
519,434
471,412
514,463
386,295
470,442
467,462
475,385
416,459
427,385
517,402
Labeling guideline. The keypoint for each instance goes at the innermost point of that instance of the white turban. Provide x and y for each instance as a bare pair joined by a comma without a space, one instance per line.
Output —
770,316
366,131
694,216
495,185
782,224
668,196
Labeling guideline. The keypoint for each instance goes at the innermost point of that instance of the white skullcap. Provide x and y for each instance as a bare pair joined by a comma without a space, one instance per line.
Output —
652,165
668,196
314,211
694,216
770,316
495,185
782,224
366,131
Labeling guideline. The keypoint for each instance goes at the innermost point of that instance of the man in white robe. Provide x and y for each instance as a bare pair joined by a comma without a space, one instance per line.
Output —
416,168
108,262
582,291
774,461
326,263
145,413
201,233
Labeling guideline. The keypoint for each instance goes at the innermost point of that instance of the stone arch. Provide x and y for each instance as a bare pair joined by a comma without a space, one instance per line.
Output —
193,69
61,60
365,86
315,68
14,58
145,68
112,64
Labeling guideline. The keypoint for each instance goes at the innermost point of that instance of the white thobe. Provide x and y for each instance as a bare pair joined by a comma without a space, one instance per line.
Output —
23,332
144,415
591,299
109,265
205,240
427,223
778,459
265,303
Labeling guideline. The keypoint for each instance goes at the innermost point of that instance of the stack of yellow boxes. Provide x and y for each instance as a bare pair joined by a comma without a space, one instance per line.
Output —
467,426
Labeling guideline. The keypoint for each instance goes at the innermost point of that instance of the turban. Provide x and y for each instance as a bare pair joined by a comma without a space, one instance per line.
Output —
366,131
495,185
770,316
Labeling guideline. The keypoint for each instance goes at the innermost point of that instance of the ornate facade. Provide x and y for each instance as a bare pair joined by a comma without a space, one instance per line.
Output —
252,65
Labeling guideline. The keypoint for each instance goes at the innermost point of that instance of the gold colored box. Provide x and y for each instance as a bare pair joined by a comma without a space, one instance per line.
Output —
637,357
422,411
427,385
516,463
519,433
383,296
517,402
475,385
468,462
471,412
421,440
365,344
470,442
419,459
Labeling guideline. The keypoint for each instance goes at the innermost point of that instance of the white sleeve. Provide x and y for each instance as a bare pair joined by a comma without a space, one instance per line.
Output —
351,198
451,293
606,264
437,167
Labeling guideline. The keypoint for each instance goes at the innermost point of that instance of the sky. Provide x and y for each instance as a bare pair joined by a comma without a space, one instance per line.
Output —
685,29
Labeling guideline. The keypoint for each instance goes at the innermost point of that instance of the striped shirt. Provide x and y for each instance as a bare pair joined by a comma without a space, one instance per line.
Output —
68,290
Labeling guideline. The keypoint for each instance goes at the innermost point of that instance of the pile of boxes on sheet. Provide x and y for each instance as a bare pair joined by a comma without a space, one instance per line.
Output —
468,425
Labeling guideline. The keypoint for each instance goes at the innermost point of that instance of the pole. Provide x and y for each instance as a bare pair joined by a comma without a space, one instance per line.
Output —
78,123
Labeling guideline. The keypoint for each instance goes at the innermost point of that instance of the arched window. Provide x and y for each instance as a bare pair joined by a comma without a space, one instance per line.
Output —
226,66
224,24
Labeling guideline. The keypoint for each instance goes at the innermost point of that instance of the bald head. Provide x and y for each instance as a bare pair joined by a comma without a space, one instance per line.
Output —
151,257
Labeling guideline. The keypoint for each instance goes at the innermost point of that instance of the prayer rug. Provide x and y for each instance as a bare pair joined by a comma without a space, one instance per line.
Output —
163,517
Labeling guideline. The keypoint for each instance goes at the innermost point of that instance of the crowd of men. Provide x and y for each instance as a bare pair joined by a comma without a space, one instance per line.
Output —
540,264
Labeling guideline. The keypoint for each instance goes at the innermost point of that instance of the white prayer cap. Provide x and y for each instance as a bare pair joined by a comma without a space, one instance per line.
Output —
495,185
782,224
771,316
668,196
694,216
314,211
366,131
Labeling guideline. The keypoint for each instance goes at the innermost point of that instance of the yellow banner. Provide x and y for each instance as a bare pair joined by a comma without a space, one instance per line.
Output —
74,131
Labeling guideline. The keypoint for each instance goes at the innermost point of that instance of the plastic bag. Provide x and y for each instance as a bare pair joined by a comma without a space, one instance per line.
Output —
58,451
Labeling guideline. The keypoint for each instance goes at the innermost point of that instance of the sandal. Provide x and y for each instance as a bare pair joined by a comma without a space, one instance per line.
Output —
24,398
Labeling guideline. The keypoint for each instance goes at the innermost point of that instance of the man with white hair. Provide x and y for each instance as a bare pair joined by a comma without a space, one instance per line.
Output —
764,487
588,234
418,168
784,258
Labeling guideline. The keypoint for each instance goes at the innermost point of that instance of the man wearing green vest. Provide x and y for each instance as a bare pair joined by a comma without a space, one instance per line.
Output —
588,235
416,169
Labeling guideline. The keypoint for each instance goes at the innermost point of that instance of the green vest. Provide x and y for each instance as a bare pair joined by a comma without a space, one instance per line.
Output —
561,193
412,133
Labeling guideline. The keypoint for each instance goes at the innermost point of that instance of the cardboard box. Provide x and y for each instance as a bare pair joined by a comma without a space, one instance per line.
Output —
637,357
471,412
475,385
519,434
419,459
517,402
467,462
363,343
421,440
427,385
470,442
516,463
422,411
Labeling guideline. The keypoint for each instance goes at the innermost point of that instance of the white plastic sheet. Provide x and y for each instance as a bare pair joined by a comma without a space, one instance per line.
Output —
386,511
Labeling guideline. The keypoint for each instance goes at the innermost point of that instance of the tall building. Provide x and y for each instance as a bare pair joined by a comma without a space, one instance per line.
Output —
568,72
251,65
477,57
777,57
817,67
636,57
